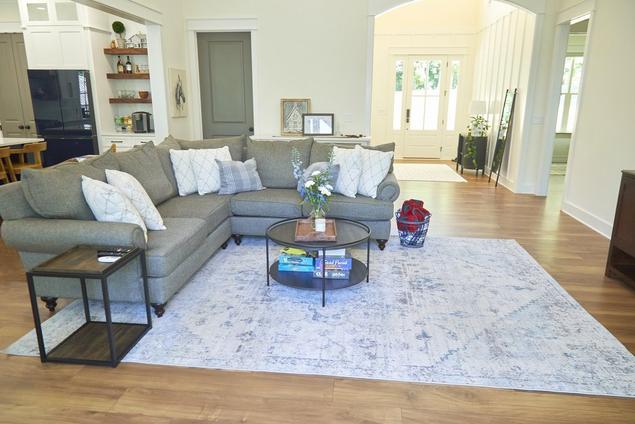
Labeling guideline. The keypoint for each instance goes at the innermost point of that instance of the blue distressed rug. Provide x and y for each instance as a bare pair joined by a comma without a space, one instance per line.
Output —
478,312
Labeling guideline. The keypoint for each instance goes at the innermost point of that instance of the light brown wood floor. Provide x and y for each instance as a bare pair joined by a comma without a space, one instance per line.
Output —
573,254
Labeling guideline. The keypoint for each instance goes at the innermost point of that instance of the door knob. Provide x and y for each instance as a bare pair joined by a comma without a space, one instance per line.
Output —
20,127
251,129
407,116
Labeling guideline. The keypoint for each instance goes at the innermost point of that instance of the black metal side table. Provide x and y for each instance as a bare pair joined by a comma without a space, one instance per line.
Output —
95,342
349,234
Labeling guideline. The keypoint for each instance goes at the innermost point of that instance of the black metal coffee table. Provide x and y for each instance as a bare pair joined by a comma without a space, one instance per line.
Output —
349,234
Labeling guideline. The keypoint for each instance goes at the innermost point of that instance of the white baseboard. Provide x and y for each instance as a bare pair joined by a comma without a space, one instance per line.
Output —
594,222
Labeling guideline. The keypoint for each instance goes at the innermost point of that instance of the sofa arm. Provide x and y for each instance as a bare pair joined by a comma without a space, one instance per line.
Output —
388,190
40,235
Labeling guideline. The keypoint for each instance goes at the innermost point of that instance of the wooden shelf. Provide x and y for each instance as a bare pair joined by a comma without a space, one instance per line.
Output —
128,76
126,51
135,100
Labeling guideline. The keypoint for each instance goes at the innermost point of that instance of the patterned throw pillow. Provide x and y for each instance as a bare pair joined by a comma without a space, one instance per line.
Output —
236,177
205,169
350,163
109,204
375,166
135,192
183,172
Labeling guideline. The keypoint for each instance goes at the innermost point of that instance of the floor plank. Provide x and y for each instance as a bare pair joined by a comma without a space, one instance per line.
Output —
31,392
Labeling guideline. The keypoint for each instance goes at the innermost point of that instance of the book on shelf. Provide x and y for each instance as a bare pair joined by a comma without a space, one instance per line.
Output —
335,262
295,259
333,252
334,274
295,268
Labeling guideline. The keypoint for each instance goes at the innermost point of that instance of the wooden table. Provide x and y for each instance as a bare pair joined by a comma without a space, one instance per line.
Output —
9,142
95,342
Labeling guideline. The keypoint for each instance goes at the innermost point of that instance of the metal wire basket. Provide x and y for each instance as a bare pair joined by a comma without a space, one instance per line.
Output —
412,233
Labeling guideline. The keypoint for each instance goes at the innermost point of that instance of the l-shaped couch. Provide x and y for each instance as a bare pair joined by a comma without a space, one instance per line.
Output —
46,214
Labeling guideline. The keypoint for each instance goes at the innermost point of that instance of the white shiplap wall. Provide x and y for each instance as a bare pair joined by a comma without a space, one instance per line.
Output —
504,47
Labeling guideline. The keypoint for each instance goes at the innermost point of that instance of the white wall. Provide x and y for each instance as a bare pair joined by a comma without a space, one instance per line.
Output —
436,27
602,145
305,48
504,53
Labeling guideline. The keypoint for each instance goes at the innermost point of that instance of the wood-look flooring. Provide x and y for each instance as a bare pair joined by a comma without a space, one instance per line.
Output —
31,392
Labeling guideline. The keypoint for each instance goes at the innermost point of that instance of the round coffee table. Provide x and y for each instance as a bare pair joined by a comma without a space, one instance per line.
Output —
349,233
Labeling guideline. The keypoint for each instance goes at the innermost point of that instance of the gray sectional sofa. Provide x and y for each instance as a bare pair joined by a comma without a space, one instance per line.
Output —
46,214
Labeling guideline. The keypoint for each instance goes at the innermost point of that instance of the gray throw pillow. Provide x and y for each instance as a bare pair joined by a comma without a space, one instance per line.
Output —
57,192
104,161
236,145
163,149
274,160
144,164
320,151
319,166
236,177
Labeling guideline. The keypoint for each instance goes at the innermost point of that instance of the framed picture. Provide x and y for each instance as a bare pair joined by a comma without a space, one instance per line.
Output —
291,111
178,95
318,124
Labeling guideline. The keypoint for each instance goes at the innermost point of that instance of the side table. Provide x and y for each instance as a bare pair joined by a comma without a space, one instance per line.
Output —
95,342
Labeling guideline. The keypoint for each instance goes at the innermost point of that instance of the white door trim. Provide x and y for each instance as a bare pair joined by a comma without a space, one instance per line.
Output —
195,25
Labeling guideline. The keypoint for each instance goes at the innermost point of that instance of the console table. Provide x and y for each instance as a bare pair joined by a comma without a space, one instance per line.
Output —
480,143
621,261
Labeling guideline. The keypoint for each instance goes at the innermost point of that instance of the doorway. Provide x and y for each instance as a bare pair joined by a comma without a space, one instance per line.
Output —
425,96
225,72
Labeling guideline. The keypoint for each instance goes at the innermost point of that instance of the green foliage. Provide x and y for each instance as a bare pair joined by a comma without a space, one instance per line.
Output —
480,124
118,27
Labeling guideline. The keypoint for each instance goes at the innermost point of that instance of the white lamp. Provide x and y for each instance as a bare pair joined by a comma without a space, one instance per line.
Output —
478,107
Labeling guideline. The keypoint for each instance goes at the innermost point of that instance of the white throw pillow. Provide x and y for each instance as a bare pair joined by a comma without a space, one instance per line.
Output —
350,164
183,172
375,167
205,168
109,204
135,192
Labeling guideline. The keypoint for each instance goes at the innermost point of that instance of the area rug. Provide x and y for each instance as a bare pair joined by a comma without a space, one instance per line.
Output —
478,312
426,172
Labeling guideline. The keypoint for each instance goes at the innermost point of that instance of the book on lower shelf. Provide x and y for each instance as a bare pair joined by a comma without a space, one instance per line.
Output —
336,263
333,274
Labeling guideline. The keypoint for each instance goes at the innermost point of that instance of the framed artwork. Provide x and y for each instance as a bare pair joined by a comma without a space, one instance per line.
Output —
178,94
318,124
291,111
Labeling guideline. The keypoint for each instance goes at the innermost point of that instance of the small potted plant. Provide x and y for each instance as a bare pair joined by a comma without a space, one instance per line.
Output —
477,127
120,29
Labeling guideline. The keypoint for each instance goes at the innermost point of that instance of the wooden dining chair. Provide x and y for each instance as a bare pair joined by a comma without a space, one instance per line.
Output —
6,169
22,155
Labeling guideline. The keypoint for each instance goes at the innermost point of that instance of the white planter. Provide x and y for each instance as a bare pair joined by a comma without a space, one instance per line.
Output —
320,225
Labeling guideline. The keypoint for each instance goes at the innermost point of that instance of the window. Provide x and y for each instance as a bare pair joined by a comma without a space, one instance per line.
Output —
569,93
453,94
426,95
398,95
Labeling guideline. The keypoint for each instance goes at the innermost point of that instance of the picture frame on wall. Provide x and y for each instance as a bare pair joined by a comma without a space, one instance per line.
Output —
318,124
178,95
291,112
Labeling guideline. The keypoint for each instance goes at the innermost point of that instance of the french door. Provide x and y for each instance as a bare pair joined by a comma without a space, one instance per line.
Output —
425,99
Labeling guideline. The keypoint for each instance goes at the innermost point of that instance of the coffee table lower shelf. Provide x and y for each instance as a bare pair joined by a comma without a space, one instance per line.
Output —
89,343
305,280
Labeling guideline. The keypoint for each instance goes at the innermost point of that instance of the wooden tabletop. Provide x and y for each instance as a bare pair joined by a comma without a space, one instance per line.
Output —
81,261
7,142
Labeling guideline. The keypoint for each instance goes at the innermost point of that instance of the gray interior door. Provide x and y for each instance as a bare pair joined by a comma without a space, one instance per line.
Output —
226,85
16,110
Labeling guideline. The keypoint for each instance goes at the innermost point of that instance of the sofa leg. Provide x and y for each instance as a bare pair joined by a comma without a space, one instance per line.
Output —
237,239
51,303
224,245
382,244
159,309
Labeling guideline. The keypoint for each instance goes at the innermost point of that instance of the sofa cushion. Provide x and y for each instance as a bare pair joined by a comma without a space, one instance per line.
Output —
163,149
211,208
359,208
105,161
320,151
57,192
144,164
272,202
274,160
236,145
169,248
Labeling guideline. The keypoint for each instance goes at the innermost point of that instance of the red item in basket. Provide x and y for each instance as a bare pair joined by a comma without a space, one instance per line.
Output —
412,211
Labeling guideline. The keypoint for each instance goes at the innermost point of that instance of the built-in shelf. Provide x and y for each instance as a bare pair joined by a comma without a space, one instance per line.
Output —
121,101
128,76
126,51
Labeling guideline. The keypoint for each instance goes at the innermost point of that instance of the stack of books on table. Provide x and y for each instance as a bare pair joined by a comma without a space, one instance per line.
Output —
337,263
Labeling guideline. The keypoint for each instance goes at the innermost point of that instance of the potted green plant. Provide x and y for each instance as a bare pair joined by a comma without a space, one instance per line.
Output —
477,127
120,29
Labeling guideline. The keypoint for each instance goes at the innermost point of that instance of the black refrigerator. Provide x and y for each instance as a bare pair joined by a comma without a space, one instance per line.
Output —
64,113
